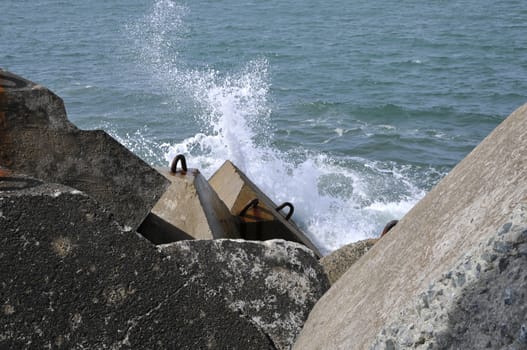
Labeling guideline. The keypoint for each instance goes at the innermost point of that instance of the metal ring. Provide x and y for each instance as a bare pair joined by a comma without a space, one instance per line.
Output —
389,226
173,165
253,203
291,209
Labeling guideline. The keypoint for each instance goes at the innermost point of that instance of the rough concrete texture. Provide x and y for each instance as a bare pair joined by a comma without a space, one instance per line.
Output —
192,206
339,261
480,304
37,139
274,284
464,210
72,278
261,222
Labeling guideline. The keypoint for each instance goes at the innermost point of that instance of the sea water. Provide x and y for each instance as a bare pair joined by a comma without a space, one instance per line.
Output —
352,110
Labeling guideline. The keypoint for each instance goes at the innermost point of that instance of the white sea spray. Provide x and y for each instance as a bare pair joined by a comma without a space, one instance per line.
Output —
337,200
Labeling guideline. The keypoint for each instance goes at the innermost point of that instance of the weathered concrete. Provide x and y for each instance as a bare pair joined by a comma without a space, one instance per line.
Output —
259,222
339,261
72,278
480,304
274,284
36,138
459,216
192,207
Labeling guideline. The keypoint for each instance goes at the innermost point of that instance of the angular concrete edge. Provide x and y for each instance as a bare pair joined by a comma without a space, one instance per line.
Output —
229,186
463,210
235,189
218,215
37,139
35,105
191,206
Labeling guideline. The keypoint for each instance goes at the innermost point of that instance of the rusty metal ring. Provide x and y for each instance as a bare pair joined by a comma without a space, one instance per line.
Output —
253,203
291,209
173,165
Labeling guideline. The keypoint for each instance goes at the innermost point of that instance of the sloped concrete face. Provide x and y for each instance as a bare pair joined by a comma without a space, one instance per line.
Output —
261,221
37,139
72,278
457,222
481,303
191,206
274,284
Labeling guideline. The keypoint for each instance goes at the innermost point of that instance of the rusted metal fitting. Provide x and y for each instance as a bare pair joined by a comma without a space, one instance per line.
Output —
291,209
389,226
253,203
4,172
175,161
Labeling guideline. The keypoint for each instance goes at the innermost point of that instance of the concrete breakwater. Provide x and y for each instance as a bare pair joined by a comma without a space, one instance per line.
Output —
77,274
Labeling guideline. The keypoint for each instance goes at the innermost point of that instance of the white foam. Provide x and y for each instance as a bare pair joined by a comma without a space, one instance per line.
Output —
337,200
387,127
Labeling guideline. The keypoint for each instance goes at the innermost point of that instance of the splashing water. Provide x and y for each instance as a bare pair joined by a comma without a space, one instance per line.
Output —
337,200
233,111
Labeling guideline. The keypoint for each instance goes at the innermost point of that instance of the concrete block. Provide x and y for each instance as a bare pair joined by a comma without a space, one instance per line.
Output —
72,278
189,209
451,274
260,221
274,284
37,139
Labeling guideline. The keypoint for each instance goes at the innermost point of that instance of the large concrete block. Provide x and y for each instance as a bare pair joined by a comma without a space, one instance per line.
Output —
481,303
189,209
72,278
456,258
261,220
274,284
36,138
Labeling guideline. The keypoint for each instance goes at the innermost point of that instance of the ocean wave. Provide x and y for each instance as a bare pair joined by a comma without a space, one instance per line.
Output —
338,198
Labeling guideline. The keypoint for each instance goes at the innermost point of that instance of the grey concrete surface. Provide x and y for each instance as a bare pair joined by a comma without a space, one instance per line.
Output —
72,278
191,206
37,139
262,221
339,261
463,212
274,284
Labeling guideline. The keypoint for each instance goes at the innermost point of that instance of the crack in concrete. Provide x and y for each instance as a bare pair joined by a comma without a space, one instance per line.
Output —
135,320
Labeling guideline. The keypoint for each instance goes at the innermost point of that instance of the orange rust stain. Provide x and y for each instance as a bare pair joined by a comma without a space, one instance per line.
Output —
257,214
4,172
5,137
3,108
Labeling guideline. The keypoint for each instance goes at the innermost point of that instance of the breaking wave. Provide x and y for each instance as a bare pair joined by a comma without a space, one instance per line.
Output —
337,199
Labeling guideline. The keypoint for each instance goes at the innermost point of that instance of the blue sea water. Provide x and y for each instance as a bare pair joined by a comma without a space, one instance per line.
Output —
352,110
